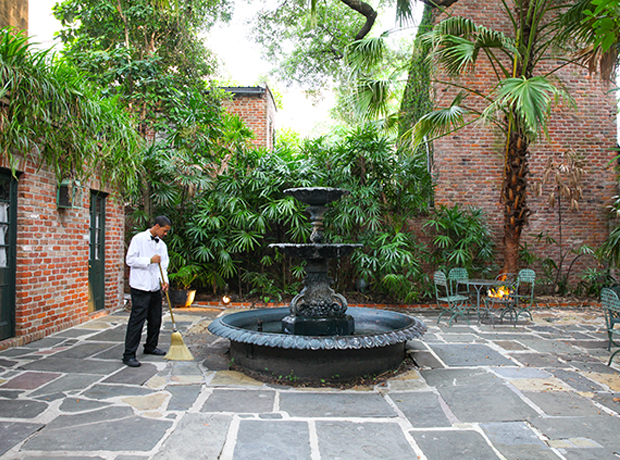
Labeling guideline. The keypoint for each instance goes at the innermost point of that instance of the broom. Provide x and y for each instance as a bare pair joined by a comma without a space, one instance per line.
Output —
177,351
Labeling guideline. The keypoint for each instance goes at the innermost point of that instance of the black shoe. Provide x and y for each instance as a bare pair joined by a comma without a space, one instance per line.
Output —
131,362
155,351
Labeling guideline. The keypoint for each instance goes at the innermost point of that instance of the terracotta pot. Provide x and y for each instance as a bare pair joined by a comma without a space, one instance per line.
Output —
181,298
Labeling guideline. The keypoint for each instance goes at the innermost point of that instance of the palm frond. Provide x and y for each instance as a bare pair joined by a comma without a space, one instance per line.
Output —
440,122
404,12
366,53
530,98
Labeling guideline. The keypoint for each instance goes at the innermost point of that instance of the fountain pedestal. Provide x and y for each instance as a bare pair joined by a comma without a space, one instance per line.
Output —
317,309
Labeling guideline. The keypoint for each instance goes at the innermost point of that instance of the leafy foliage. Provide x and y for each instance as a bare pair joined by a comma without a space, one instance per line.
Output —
590,30
146,53
308,49
461,239
49,113
518,101
228,208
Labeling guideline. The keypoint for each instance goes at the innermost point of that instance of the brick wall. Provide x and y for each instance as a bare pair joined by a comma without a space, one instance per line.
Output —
468,165
14,13
255,105
52,257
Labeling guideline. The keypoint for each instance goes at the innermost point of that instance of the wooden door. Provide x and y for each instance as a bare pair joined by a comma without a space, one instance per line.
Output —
96,258
8,224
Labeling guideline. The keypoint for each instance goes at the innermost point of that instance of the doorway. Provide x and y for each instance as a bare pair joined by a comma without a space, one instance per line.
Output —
96,257
8,242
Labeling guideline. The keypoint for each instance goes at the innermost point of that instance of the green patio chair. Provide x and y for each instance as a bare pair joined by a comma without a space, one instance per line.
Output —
525,293
453,304
611,306
454,276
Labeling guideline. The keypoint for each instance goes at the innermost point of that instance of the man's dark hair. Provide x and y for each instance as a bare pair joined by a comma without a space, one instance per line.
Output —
162,221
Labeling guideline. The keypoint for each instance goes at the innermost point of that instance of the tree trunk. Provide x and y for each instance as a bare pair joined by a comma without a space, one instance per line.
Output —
514,197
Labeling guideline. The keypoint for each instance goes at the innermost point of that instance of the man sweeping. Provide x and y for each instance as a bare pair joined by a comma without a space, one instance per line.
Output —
147,258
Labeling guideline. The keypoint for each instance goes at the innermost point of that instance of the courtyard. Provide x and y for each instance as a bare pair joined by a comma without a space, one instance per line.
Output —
537,390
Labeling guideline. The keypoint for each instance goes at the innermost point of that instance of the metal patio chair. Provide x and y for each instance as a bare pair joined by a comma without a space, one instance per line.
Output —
611,306
454,276
525,293
453,304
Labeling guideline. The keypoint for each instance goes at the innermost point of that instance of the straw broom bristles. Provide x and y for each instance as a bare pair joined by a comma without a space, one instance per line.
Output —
177,351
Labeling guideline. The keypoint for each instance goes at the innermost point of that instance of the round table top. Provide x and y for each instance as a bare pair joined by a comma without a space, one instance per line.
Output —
481,282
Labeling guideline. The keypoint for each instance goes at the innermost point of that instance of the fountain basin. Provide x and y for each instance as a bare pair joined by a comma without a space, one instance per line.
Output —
378,344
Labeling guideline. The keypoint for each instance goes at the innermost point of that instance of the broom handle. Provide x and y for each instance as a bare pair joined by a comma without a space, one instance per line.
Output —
174,326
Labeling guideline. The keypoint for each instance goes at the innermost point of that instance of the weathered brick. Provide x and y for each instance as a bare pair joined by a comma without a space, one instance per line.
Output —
52,256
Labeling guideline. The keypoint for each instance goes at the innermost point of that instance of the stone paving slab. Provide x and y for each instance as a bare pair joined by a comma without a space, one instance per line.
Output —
21,408
335,405
562,403
576,380
516,441
486,403
134,433
14,432
183,397
539,360
196,436
423,409
133,376
362,441
116,334
81,351
30,380
602,429
609,400
101,391
107,413
281,440
470,355
67,383
461,444
240,401
73,365
70,405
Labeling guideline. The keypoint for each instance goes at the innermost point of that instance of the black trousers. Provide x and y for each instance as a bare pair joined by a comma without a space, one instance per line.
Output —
145,306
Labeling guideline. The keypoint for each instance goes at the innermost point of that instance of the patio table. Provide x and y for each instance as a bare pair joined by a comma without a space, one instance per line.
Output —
478,284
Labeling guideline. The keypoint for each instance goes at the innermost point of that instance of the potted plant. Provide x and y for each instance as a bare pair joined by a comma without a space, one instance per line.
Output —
181,292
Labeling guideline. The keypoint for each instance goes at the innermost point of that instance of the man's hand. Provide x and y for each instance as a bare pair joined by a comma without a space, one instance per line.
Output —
156,259
165,287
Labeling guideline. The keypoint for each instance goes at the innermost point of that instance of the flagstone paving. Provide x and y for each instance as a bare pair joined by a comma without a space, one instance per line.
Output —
540,390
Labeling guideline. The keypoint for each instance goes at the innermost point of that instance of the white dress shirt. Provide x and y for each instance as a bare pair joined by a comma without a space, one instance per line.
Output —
145,275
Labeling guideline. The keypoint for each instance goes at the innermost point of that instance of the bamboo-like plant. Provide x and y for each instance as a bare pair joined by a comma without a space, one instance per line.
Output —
49,114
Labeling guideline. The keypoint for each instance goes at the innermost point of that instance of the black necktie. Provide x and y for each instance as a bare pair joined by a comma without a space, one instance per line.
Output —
154,238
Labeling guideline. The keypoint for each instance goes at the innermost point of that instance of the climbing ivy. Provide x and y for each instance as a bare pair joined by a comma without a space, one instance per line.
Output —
416,100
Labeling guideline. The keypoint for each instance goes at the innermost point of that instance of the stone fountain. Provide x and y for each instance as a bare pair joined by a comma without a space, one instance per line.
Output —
318,336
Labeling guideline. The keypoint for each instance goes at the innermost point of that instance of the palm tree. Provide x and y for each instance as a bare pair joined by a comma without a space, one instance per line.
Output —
595,27
518,102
